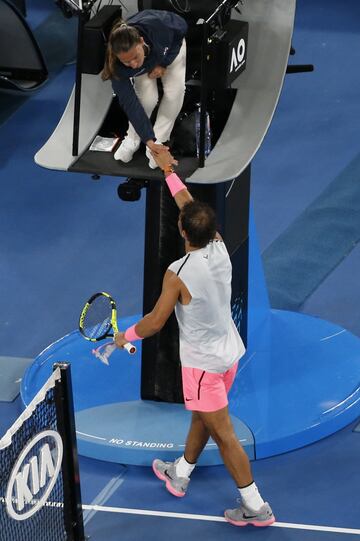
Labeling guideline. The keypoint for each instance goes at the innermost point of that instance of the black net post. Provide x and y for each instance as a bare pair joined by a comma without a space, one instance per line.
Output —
73,517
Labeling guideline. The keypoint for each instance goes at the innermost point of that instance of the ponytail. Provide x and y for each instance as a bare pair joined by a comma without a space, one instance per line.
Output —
121,39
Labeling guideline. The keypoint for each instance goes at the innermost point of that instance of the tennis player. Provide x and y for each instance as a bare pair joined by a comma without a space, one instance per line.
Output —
149,46
198,287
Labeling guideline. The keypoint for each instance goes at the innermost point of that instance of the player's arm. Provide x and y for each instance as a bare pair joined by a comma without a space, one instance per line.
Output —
178,190
156,319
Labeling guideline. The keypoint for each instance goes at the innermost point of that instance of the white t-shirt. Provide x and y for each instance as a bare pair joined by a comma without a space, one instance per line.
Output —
209,339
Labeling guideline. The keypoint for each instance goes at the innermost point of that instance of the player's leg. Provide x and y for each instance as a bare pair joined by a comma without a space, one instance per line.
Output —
253,509
196,440
235,459
176,475
147,93
202,391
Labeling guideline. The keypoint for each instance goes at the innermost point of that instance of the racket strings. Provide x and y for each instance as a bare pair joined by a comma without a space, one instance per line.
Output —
97,320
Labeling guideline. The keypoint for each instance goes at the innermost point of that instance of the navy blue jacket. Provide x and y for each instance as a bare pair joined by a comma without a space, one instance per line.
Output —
163,31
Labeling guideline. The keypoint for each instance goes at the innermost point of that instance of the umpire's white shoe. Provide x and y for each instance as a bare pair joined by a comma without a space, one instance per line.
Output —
152,162
127,149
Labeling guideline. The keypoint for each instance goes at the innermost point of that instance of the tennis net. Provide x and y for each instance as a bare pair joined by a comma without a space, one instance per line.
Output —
40,495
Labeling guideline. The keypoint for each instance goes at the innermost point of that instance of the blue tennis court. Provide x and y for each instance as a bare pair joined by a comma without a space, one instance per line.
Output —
66,235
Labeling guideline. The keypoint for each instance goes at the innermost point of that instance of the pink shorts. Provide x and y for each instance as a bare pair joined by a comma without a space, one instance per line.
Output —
206,391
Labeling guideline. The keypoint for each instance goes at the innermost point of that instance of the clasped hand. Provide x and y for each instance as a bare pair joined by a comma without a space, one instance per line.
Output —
157,72
161,154
164,159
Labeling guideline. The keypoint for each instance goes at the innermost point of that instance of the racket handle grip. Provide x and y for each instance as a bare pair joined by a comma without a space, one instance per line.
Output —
130,348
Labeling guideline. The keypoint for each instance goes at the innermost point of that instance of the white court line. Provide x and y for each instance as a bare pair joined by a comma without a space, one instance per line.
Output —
332,335
90,435
213,444
212,518
207,445
104,495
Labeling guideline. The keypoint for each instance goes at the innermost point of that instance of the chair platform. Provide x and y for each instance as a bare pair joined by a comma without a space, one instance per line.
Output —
103,163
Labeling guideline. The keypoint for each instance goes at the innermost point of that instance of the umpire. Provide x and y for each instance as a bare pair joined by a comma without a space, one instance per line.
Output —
148,46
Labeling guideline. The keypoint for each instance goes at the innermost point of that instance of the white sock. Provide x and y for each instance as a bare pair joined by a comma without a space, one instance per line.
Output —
251,497
183,468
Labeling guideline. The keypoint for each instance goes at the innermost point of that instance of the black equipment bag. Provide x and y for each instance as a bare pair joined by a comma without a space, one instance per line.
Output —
183,137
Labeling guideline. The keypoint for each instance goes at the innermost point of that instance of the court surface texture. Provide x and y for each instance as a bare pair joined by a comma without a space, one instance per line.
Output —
47,240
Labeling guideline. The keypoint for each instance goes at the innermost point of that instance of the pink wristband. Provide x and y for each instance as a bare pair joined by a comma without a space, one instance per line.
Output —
130,334
175,184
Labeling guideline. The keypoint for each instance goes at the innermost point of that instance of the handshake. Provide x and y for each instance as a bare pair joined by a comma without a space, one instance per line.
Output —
162,156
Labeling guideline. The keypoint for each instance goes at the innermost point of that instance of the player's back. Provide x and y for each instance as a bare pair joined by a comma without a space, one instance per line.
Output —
208,336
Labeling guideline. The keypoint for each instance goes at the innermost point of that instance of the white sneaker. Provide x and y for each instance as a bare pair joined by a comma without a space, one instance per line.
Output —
241,516
152,162
127,149
166,471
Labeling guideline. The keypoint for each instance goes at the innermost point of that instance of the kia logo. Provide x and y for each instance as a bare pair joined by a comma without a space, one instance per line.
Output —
34,475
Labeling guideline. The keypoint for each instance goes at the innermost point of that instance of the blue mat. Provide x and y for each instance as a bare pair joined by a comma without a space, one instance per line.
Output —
290,390
357,428
299,260
12,370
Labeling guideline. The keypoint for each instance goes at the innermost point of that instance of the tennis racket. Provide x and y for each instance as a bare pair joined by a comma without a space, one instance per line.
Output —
98,319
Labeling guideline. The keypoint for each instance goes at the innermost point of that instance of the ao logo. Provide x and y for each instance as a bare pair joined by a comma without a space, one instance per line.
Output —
237,55
34,475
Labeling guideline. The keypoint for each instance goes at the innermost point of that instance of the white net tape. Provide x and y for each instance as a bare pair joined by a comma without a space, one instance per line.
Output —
39,397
